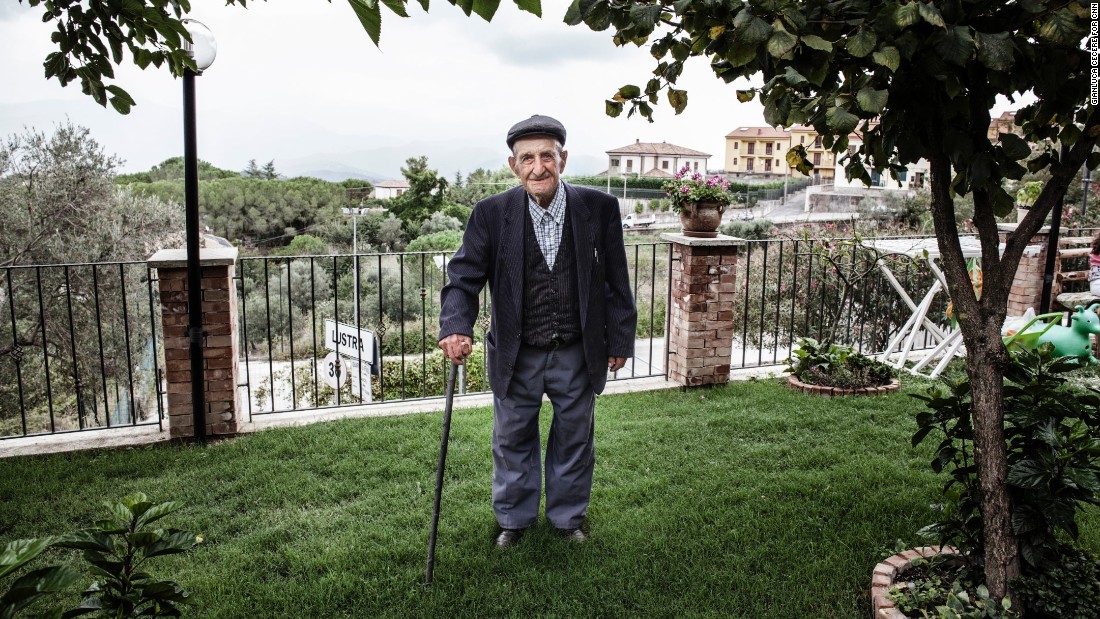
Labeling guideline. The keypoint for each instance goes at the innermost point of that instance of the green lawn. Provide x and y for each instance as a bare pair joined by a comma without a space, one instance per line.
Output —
748,500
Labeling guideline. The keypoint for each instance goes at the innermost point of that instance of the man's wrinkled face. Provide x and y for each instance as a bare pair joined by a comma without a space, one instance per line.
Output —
538,161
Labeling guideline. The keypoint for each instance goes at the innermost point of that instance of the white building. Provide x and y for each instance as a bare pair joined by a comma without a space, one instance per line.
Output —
390,189
654,159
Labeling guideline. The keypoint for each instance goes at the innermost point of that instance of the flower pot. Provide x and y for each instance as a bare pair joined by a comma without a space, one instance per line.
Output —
701,219
1021,212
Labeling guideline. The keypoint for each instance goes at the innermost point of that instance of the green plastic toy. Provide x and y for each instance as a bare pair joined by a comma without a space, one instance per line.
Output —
1071,341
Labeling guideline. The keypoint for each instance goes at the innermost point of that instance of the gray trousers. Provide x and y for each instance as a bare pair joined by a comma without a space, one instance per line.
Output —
570,449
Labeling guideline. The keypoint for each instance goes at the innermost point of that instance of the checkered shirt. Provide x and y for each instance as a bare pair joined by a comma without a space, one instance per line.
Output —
548,223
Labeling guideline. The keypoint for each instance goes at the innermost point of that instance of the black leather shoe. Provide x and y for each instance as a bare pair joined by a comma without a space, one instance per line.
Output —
507,537
573,535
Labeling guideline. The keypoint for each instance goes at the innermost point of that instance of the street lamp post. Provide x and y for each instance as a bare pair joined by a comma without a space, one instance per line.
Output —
202,51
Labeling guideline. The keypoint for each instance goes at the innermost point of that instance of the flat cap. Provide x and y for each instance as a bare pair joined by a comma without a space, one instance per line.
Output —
536,125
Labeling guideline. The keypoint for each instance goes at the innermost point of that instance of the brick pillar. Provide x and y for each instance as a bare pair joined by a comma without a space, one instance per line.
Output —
700,335
1027,286
219,343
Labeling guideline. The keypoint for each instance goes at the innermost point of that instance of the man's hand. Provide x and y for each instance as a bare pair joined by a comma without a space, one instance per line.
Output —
456,347
614,364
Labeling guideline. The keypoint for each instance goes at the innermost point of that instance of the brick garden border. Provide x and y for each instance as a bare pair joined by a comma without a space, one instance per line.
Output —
885,577
822,390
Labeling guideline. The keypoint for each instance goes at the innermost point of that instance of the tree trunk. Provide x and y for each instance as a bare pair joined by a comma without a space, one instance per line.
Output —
985,359
980,322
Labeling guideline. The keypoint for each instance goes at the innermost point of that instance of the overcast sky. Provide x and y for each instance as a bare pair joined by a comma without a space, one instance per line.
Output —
300,81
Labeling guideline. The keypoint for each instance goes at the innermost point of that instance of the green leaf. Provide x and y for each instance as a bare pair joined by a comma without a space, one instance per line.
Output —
755,31
533,7
871,100
370,17
20,551
88,539
740,55
888,57
955,45
1025,519
862,42
171,543
35,585
158,511
121,105
793,77
678,99
816,42
573,15
995,51
1029,474
930,14
644,17
841,120
1061,27
1014,147
907,15
398,6
613,108
781,43
744,96
628,92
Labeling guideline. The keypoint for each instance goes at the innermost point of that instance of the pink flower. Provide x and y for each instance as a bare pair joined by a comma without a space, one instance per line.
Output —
697,177
685,189
712,181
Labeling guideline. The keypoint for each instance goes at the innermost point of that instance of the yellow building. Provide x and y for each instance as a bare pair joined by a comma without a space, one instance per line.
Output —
757,150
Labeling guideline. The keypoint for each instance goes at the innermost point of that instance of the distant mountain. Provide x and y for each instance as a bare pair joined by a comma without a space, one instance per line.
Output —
446,156
152,133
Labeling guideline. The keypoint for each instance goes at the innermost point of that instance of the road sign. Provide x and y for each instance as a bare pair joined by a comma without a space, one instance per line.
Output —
333,370
349,341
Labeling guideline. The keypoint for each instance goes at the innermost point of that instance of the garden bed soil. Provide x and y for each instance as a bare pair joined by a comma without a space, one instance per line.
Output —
887,575
794,383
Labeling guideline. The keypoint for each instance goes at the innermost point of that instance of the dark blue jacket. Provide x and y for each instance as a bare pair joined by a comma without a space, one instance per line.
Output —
492,252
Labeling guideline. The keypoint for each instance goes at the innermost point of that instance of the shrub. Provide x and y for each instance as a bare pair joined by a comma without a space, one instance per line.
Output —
757,229
117,550
1069,588
836,365
1052,437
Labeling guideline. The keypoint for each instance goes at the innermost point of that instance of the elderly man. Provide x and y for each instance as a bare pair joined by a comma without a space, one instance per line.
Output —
562,316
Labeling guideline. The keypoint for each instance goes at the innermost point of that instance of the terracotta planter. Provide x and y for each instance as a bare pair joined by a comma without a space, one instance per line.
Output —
701,219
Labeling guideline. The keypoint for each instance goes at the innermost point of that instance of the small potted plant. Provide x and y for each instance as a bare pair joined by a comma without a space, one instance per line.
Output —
1025,198
699,201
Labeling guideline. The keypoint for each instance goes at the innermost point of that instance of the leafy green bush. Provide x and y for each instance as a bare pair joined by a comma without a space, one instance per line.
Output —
757,229
1069,588
944,586
116,549
836,365
428,380
1053,437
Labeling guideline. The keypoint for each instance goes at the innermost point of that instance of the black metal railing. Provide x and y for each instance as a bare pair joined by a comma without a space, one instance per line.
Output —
79,348
787,289
285,302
